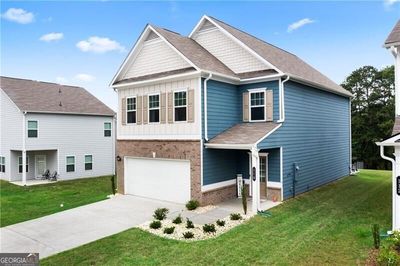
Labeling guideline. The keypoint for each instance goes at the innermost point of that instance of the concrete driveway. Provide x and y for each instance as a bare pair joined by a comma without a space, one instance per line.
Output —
71,228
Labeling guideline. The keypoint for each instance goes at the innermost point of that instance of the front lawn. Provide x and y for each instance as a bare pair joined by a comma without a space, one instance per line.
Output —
330,225
18,204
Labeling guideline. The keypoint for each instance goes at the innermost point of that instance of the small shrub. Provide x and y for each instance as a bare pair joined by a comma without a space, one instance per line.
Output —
189,224
220,222
389,254
160,213
376,236
235,216
209,228
155,224
188,235
177,220
169,230
244,199
192,205
113,184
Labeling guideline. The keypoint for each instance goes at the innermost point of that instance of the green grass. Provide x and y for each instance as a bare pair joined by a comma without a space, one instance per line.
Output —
330,225
18,204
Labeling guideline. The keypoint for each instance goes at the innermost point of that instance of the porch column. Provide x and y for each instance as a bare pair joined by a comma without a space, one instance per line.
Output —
24,167
396,197
255,162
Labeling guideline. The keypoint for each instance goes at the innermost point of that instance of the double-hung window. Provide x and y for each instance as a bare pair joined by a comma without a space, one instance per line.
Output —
107,129
20,164
2,164
154,108
131,110
257,106
70,163
32,129
88,162
180,106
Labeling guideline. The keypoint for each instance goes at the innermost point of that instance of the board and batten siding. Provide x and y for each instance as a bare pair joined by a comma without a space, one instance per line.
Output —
77,135
10,131
170,129
155,56
228,51
315,135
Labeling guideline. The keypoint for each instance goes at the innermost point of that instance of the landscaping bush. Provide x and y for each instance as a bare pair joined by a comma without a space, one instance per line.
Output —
160,213
235,216
169,230
209,228
177,220
220,222
155,224
389,254
188,235
189,224
376,236
244,199
192,205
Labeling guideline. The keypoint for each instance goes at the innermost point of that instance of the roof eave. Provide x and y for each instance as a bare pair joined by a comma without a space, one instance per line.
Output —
67,113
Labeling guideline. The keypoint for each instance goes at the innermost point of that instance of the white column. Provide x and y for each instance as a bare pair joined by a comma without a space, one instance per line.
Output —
255,161
396,197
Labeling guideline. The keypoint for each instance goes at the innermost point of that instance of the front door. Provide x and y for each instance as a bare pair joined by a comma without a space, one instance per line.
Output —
40,164
263,176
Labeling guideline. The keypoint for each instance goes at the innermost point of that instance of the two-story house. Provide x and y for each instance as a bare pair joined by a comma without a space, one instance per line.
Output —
47,126
195,112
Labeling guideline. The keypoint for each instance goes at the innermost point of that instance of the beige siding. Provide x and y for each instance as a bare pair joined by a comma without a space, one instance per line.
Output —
228,51
179,130
154,57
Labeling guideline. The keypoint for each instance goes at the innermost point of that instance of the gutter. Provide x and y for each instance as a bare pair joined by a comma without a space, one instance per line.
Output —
205,106
282,99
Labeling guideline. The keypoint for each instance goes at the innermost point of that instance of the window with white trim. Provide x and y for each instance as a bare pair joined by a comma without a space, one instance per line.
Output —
88,162
154,108
180,106
32,129
70,163
257,106
131,110
107,129
2,164
20,164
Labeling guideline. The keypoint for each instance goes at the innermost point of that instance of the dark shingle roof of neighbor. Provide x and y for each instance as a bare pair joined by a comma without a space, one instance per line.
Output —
394,36
45,97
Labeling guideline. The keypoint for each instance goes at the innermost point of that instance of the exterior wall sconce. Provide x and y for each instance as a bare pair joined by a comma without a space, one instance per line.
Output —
118,158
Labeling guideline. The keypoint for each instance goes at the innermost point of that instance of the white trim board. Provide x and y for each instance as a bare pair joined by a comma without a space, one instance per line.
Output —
217,185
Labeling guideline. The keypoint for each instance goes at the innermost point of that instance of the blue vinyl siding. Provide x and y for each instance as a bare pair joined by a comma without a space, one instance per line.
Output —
315,135
273,165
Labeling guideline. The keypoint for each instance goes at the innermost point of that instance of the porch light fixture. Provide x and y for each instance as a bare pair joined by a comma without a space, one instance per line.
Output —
118,158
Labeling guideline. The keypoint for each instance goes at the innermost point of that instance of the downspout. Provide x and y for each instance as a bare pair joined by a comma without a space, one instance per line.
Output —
393,183
282,99
24,148
205,107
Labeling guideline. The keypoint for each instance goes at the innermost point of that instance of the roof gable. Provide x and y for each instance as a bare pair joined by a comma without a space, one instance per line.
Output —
394,36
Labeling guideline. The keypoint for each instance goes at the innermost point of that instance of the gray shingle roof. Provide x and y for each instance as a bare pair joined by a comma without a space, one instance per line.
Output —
394,36
37,96
283,60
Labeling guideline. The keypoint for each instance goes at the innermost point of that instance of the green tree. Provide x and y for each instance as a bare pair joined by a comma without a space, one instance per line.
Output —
372,111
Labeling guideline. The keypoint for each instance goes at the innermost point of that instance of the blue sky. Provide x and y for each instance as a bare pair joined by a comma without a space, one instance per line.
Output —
84,43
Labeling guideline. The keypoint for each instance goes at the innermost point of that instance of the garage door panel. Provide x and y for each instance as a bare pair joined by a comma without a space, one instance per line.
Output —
161,179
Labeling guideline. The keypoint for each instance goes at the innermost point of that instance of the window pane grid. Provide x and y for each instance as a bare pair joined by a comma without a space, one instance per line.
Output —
20,164
180,98
131,104
70,163
88,158
257,98
154,101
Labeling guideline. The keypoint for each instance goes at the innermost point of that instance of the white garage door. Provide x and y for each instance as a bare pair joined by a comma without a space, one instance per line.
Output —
161,179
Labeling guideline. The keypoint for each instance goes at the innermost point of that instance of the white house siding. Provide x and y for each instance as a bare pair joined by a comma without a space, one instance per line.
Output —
154,57
10,130
177,130
76,135
228,51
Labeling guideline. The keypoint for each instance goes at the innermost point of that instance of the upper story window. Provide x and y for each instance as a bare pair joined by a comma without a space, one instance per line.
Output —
107,129
2,164
257,106
20,164
131,110
88,162
32,129
180,106
154,108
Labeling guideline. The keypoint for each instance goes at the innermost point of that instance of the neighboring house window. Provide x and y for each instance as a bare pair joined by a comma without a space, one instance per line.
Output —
257,106
180,107
107,129
20,164
2,164
88,162
32,129
131,110
70,163
154,108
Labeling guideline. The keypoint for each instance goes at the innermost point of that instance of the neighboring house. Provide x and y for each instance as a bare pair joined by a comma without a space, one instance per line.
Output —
59,128
195,112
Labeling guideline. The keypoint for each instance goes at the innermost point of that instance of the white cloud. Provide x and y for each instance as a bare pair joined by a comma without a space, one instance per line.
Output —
18,15
298,24
61,80
99,45
53,36
388,4
85,77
